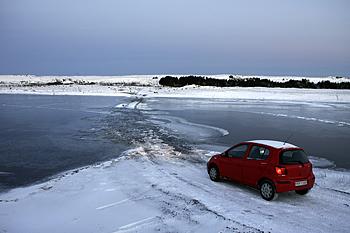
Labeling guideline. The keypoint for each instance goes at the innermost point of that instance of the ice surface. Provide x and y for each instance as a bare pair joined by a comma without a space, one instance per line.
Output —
339,123
192,130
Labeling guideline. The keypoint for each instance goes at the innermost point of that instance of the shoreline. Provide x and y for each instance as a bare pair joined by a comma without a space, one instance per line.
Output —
239,93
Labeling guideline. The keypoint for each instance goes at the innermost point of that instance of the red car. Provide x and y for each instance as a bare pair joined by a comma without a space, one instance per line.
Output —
271,166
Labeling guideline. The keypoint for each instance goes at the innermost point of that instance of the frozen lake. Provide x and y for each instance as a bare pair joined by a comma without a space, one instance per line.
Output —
41,136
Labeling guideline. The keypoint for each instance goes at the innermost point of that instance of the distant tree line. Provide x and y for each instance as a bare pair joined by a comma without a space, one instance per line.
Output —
171,81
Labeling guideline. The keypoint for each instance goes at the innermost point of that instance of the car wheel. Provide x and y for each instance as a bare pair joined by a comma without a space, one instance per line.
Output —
267,190
302,192
214,174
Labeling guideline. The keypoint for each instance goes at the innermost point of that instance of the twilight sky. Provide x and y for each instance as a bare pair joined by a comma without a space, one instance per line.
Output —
116,37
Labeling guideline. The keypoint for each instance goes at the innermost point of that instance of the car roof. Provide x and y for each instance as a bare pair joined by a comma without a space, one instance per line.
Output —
274,144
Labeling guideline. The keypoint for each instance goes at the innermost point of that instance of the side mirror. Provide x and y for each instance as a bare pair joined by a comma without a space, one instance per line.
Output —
225,153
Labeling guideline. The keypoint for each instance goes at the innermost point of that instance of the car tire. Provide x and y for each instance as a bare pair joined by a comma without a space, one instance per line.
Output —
302,192
214,173
268,190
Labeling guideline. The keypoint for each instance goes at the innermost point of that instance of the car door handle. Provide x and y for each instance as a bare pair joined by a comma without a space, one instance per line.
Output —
263,163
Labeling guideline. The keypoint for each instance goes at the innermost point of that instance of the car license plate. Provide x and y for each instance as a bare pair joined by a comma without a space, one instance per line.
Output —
301,183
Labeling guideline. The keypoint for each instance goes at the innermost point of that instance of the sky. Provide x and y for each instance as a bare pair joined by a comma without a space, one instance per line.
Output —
120,37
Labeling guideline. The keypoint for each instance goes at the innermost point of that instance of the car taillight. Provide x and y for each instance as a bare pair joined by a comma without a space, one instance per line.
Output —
281,170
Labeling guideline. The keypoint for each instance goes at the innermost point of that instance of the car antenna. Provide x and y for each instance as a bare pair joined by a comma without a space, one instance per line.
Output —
289,137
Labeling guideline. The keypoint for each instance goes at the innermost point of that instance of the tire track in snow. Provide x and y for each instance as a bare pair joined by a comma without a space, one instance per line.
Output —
137,224
112,204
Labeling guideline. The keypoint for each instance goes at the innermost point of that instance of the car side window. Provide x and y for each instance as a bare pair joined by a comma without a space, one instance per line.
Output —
259,153
238,151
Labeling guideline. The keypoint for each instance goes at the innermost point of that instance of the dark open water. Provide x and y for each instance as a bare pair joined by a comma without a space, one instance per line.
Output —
43,135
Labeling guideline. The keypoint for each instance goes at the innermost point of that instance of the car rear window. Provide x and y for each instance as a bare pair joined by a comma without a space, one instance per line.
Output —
293,156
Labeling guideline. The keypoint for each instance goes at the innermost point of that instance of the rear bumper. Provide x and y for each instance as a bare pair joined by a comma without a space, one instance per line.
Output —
284,185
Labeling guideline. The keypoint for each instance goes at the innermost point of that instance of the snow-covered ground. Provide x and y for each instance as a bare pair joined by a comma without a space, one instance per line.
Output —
146,86
152,188
155,188
149,79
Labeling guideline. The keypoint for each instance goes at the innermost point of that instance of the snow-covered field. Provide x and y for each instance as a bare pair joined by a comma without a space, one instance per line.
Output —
155,188
146,86
148,79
